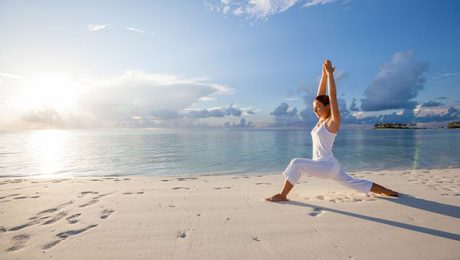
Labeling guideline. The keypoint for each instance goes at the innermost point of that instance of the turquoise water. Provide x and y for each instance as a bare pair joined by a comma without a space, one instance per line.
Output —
215,151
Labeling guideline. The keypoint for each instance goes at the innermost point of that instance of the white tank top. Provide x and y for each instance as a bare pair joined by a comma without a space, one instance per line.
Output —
323,140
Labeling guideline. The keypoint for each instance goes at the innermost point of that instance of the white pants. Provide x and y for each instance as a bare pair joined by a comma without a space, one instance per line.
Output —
325,169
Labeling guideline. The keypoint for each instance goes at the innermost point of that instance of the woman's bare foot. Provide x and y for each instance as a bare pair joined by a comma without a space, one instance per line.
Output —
391,193
276,198
382,190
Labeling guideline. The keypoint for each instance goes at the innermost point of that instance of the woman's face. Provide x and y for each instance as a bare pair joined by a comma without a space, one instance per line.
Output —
320,109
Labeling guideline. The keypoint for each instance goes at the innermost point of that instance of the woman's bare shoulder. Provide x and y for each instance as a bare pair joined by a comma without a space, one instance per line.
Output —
332,126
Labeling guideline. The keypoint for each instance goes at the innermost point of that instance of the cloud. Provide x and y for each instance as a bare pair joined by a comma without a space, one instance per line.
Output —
46,117
311,3
165,114
231,110
134,29
252,9
353,106
432,103
243,124
261,10
396,84
451,114
141,93
129,98
97,27
285,115
9,76
448,74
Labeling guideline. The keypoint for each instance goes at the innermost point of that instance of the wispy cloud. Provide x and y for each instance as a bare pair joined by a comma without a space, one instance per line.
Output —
10,76
254,9
97,27
134,29
448,74
312,3
260,10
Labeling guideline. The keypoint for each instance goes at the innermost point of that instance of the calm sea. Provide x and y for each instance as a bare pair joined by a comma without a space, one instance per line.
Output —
215,151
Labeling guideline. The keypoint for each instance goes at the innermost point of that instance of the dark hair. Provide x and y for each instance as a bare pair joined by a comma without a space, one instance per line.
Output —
324,99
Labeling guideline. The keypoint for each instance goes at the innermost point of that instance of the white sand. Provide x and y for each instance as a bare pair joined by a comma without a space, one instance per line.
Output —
225,217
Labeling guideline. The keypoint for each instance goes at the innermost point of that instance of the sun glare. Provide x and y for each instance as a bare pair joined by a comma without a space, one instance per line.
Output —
47,148
56,91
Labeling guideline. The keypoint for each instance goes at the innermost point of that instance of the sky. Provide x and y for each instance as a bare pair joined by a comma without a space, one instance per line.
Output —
90,64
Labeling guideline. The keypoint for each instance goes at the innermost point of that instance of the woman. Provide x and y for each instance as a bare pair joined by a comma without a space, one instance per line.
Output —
324,164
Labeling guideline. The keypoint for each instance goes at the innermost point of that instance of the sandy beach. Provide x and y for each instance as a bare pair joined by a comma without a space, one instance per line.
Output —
226,217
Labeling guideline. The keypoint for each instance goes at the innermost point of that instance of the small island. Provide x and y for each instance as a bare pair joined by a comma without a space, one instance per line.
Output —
395,126
454,124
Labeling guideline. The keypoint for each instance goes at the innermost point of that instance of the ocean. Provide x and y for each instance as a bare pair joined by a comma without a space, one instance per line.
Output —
123,152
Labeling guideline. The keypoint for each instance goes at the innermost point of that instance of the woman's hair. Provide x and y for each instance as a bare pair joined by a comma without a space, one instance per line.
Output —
324,99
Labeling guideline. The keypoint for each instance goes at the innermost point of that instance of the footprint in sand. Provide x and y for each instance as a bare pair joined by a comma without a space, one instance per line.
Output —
182,234
11,195
95,199
18,242
55,218
73,219
186,178
66,234
84,193
39,217
91,202
315,212
180,188
106,213
222,188
30,223
263,183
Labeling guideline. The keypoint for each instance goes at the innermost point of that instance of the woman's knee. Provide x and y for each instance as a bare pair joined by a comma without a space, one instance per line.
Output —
295,161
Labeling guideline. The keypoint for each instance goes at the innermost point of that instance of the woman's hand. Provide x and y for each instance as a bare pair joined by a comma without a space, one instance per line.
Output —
327,66
324,73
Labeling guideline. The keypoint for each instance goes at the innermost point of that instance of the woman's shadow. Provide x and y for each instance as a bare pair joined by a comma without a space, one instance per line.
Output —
406,200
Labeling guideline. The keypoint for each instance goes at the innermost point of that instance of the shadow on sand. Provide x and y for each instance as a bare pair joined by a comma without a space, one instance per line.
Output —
407,200
427,205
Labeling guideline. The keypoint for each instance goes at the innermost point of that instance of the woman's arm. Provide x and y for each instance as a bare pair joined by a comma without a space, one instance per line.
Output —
322,83
335,113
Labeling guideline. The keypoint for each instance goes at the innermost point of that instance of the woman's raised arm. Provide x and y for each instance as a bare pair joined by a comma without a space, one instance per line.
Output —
322,83
335,113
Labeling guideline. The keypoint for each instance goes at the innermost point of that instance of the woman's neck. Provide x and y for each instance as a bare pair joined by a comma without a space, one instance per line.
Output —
322,119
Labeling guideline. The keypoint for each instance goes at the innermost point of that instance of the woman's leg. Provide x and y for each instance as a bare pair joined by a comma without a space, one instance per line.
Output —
287,187
294,171
362,185
346,180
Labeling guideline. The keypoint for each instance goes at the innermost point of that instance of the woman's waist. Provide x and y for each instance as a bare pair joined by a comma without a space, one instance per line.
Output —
323,157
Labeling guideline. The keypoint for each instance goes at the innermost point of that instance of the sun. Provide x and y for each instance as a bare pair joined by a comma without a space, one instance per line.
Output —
56,91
